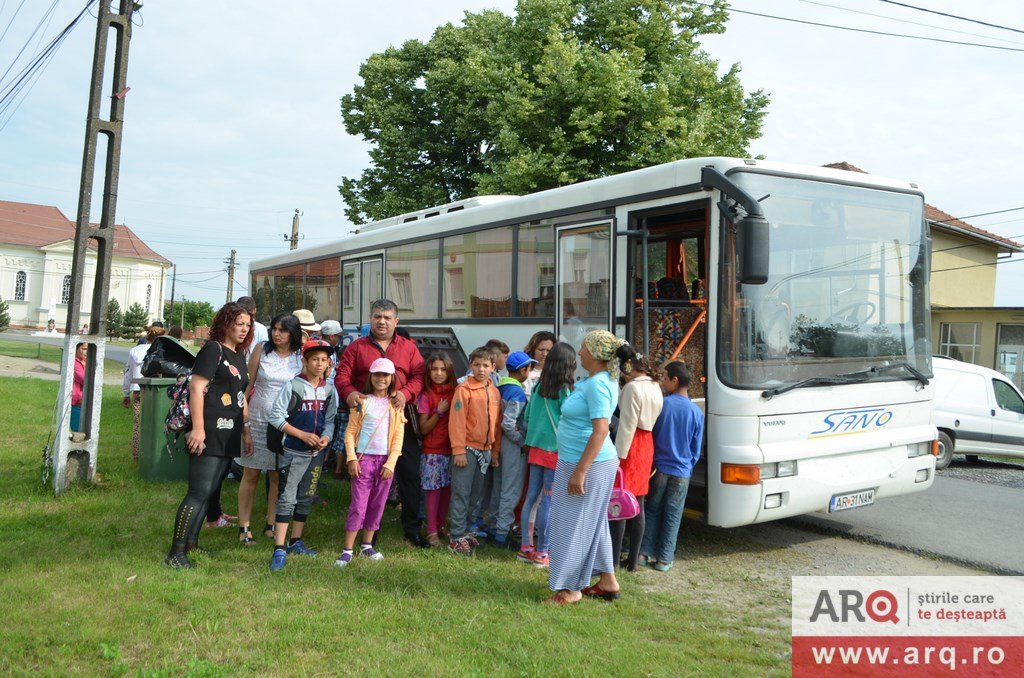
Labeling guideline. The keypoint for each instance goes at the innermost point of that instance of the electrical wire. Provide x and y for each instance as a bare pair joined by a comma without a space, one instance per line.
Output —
951,16
907,21
13,17
868,31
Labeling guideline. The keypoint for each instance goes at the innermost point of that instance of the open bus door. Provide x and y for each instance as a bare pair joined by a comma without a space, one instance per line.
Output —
667,256
583,293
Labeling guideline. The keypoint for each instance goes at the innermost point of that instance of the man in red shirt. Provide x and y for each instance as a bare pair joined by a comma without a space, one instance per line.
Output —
350,379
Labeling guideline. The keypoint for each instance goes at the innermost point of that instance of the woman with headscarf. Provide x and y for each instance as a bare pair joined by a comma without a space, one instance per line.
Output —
581,545
132,371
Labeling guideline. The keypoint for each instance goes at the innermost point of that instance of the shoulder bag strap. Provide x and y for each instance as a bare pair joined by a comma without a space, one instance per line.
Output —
554,426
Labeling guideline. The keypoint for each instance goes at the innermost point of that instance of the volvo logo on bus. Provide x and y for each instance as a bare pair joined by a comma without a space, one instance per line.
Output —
845,422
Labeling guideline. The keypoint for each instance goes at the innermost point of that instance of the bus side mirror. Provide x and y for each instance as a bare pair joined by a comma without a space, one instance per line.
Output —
752,234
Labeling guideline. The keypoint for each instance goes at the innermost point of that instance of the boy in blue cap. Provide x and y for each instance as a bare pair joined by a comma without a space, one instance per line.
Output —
509,475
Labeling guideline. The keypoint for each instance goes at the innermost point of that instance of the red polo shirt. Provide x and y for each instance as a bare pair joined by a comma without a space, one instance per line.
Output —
354,366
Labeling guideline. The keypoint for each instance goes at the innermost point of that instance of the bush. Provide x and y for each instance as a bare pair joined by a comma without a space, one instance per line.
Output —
5,315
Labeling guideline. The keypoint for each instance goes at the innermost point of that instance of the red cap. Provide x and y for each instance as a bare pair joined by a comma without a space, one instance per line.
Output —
316,345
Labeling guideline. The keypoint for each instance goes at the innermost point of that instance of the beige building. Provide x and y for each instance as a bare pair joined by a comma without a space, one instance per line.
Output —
966,324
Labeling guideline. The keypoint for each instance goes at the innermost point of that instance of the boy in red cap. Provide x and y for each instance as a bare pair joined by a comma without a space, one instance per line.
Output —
304,412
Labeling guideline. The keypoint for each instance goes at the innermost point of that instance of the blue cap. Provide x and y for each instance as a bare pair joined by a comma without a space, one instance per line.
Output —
517,360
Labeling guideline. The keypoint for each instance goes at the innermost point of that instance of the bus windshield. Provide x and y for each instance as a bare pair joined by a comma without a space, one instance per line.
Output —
847,289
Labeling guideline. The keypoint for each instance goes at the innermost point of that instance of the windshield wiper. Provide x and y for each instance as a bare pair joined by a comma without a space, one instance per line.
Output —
881,369
852,378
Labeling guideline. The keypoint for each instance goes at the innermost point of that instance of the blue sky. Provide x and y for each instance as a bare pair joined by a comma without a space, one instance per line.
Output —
233,119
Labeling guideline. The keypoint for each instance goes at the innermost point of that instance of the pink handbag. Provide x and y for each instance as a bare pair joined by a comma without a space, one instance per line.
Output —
623,504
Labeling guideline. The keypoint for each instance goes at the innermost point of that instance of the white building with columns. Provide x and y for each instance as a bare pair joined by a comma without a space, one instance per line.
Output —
36,244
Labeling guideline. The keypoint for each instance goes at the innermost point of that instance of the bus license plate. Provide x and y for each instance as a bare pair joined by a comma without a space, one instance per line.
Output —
851,500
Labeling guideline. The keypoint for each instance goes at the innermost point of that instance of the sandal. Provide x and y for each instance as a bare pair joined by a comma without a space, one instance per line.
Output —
245,536
268,530
596,591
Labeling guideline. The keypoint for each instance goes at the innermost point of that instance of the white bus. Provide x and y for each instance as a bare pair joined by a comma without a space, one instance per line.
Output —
797,295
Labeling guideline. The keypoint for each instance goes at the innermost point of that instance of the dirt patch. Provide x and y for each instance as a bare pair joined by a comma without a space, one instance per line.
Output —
751,568
40,369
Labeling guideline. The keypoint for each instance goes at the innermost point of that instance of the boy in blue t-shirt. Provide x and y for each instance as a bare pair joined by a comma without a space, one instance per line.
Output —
678,435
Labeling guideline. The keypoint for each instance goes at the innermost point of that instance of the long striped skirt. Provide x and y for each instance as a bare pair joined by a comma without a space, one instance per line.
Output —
581,546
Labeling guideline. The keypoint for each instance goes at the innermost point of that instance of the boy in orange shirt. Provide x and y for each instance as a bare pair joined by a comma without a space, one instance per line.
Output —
474,427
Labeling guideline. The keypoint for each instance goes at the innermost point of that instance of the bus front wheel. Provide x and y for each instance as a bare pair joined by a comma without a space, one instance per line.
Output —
945,451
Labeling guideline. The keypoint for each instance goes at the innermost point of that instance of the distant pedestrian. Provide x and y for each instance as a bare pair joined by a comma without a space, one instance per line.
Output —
260,335
133,371
78,386
310,327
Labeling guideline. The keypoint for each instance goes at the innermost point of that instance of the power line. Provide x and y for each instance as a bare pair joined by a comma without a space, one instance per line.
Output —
865,30
906,21
952,16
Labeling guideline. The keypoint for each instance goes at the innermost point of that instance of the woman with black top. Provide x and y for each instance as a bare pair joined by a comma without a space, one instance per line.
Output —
220,422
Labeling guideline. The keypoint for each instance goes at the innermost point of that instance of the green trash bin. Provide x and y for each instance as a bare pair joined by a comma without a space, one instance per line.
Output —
155,462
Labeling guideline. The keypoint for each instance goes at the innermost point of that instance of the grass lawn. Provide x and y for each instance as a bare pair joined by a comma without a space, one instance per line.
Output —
86,591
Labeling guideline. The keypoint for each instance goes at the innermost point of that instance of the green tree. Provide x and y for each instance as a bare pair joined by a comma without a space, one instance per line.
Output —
561,92
134,320
196,313
115,319
5,315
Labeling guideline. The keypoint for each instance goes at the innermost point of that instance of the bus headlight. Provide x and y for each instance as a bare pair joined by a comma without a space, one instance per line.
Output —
779,469
919,449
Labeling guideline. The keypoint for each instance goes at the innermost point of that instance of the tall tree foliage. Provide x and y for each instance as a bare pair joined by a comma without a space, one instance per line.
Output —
196,313
134,320
115,318
5,315
561,92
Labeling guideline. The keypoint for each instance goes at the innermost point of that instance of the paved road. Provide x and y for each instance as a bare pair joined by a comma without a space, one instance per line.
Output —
970,522
118,353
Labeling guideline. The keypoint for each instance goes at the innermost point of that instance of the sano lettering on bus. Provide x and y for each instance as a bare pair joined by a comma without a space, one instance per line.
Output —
846,422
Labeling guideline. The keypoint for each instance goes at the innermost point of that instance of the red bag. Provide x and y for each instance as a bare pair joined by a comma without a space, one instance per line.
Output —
623,504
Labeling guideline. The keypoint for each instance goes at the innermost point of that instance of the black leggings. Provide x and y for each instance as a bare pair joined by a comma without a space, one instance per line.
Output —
636,536
213,507
205,474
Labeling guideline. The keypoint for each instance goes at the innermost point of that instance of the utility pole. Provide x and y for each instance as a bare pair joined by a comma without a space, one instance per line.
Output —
231,278
295,230
75,460
174,280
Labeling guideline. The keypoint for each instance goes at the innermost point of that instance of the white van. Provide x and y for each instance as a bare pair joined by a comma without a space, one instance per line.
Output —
978,411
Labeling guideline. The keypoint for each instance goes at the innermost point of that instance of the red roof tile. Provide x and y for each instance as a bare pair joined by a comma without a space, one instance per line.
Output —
41,225
941,219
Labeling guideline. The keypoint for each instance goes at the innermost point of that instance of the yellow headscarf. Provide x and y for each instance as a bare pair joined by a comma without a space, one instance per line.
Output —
602,344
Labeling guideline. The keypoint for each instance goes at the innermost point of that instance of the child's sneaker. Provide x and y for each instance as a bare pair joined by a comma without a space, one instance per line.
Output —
299,548
278,560
525,554
460,547
541,559
433,540
344,559
471,540
367,551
